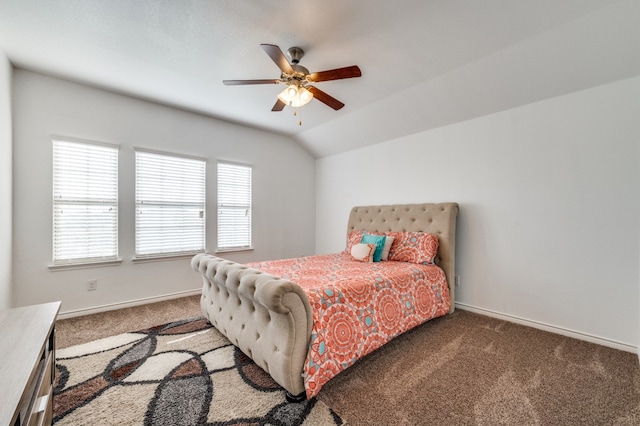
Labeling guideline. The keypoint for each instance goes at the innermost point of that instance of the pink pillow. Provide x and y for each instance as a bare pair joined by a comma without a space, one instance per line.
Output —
413,247
353,238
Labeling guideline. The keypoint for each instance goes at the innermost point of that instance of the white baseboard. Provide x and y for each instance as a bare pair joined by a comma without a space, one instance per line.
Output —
128,304
550,328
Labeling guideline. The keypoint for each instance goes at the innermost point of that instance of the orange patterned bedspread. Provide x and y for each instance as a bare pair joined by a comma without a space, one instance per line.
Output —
358,307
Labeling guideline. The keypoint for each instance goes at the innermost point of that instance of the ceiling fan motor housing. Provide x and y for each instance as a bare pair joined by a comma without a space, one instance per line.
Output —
299,69
299,77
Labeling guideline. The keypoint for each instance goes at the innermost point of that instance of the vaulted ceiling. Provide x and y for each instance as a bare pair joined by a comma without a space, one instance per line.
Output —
425,63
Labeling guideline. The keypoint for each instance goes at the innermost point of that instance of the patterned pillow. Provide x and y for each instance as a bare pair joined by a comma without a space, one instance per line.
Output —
363,252
378,240
413,247
353,238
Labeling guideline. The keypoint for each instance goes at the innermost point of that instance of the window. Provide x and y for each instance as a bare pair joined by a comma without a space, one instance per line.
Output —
170,204
234,207
85,202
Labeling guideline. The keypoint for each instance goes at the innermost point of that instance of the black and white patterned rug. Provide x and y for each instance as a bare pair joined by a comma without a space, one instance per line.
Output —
181,373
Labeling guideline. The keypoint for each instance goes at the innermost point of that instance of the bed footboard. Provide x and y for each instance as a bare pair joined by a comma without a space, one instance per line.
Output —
268,318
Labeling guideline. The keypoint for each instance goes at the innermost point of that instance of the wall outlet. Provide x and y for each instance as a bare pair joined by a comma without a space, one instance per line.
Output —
456,280
92,285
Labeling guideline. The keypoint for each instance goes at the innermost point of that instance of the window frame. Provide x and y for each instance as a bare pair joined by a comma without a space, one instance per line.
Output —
163,255
249,207
58,200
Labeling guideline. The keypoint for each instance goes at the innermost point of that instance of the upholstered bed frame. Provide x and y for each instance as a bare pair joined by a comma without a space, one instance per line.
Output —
270,319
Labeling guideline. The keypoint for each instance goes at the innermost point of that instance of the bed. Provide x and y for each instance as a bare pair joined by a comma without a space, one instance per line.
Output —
276,317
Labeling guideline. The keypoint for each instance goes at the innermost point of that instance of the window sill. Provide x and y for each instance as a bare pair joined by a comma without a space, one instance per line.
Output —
96,264
160,258
234,250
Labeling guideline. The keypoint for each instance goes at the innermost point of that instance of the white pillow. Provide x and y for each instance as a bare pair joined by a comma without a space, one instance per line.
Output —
363,252
386,248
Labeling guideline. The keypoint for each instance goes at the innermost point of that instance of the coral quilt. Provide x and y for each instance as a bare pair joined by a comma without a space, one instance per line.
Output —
358,307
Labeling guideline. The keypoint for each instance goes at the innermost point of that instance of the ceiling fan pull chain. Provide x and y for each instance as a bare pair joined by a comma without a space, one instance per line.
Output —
295,113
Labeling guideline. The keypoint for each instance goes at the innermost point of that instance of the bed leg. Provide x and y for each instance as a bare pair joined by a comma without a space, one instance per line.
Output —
295,398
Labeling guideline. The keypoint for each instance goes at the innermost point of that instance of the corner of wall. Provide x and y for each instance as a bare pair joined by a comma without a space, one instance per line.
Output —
6,183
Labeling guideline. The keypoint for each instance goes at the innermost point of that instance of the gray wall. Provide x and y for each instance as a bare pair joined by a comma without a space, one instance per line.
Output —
283,189
550,207
5,182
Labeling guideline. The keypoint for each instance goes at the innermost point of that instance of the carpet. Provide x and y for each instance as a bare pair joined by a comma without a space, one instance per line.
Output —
469,369
180,373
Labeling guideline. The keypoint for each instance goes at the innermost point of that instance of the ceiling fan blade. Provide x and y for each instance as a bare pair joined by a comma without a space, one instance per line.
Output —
241,82
279,106
278,57
324,98
337,74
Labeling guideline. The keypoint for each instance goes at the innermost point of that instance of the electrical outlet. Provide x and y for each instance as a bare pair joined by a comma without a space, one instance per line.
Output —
92,285
457,280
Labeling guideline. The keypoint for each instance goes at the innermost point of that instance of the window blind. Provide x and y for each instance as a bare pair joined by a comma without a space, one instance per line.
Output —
85,202
170,204
234,206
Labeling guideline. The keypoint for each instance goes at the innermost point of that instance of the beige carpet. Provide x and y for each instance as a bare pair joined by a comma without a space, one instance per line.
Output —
468,369
82,329
463,369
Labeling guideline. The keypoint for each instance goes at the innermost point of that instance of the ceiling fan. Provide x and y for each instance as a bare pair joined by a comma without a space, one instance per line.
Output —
298,79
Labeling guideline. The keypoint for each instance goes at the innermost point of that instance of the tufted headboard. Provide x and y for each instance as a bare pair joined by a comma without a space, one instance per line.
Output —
435,218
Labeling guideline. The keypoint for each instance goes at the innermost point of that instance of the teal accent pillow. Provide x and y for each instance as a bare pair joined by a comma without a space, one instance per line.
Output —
378,240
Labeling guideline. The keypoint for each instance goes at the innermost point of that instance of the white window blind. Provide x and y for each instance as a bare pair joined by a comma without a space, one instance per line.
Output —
170,204
234,206
85,202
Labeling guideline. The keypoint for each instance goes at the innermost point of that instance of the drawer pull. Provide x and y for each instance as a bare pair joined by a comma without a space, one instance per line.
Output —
39,415
41,404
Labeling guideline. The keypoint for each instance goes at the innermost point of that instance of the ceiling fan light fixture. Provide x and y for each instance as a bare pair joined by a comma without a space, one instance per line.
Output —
292,91
305,95
295,96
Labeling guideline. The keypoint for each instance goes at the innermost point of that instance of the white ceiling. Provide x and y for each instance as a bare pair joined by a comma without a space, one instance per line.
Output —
425,63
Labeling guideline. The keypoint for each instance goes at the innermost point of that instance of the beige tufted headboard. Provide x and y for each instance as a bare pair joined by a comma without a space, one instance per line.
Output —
439,219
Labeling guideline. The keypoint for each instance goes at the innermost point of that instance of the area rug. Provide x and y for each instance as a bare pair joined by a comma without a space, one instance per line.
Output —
181,373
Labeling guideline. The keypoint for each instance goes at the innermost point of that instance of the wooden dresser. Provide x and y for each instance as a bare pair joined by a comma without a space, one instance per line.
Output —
27,364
